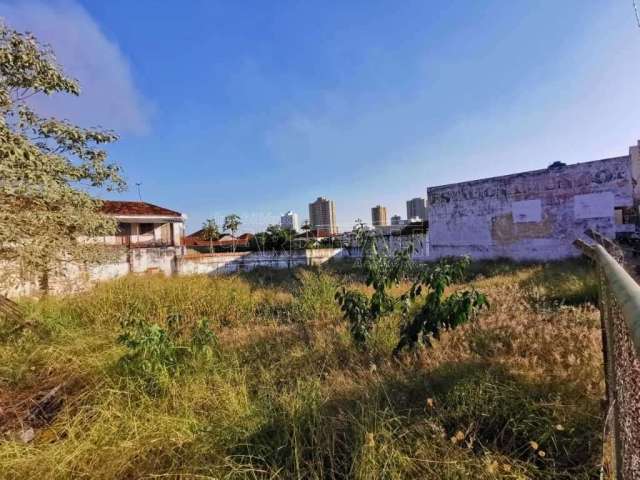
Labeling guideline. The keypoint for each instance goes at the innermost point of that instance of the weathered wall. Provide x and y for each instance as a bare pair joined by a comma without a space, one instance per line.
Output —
245,261
73,277
531,215
420,244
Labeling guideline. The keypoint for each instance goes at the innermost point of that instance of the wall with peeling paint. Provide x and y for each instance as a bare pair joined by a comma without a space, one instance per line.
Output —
73,277
214,263
532,215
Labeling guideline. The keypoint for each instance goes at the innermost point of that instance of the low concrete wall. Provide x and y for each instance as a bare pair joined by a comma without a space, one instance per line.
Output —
170,261
420,244
245,261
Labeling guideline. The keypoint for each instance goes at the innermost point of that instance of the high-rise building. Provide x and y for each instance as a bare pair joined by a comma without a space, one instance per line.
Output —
322,216
379,216
396,220
289,221
417,208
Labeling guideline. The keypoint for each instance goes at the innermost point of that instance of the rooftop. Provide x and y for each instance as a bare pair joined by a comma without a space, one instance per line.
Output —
118,207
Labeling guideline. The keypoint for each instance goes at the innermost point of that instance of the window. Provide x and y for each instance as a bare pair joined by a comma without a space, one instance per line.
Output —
146,228
124,228
625,215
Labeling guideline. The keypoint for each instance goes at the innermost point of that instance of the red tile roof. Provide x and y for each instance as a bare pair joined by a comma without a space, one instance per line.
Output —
116,207
196,240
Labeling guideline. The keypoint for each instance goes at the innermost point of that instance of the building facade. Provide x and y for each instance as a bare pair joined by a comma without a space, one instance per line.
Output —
142,224
537,214
289,221
417,209
397,220
379,216
322,216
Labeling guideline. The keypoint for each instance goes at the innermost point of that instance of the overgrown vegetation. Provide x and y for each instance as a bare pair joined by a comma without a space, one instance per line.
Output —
257,376
155,354
384,269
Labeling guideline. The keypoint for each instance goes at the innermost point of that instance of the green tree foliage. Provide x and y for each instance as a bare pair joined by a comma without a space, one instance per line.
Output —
210,232
360,232
274,238
47,167
382,271
232,223
438,312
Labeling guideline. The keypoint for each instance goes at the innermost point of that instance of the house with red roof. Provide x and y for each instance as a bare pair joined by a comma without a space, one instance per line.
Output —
142,224
196,241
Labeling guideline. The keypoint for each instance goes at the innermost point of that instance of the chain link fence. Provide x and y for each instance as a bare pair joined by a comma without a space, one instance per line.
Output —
620,315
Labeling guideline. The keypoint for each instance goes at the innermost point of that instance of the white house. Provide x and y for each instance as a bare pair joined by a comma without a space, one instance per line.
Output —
142,224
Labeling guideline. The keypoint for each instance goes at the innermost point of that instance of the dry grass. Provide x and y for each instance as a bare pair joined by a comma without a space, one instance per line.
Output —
516,394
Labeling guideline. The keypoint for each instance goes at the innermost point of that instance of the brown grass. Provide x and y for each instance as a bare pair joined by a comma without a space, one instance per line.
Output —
515,394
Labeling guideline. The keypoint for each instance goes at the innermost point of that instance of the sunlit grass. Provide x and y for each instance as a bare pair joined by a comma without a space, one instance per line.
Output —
287,394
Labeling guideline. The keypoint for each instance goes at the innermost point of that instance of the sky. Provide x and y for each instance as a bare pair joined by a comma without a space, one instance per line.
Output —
257,108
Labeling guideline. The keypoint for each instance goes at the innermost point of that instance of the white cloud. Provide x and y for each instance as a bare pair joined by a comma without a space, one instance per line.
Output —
108,94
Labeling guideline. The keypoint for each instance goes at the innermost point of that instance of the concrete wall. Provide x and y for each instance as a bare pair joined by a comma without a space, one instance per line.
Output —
74,277
170,260
245,261
531,215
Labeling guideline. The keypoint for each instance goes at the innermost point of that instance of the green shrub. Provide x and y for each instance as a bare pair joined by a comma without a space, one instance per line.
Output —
156,354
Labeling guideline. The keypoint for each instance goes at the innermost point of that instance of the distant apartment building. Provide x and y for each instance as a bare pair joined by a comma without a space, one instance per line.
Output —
417,209
397,220
289,221
379,216
322,216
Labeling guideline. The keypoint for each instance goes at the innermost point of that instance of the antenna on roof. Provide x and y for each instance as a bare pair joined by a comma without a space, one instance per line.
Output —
138,186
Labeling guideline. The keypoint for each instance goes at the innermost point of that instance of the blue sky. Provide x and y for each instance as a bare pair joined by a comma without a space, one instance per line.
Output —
260,107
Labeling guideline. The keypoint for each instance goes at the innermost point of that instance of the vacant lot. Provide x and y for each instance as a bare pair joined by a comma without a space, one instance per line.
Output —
282,392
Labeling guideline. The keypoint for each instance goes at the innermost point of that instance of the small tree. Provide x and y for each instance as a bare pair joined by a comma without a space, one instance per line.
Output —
439,312
232,223
210,232
360,231
383,270
279,238
47,167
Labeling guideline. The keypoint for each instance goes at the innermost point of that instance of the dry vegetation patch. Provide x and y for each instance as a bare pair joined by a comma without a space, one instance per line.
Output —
284,393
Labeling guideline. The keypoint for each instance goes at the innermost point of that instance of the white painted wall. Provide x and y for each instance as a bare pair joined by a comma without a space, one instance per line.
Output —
533,215
74,277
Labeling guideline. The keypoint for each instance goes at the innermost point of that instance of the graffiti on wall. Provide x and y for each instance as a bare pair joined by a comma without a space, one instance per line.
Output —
572,179
528,212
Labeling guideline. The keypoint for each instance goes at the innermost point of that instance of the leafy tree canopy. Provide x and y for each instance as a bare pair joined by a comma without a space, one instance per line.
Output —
47,167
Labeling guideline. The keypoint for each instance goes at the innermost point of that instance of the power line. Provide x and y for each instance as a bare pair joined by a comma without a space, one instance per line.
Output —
635,9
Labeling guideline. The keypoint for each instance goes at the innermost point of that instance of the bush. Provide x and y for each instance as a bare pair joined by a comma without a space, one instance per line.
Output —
156,354
314,299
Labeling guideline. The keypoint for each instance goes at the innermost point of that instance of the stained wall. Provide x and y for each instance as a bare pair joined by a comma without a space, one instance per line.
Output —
532,215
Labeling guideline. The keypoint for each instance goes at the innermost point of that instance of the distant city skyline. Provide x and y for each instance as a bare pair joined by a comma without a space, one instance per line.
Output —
257,113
